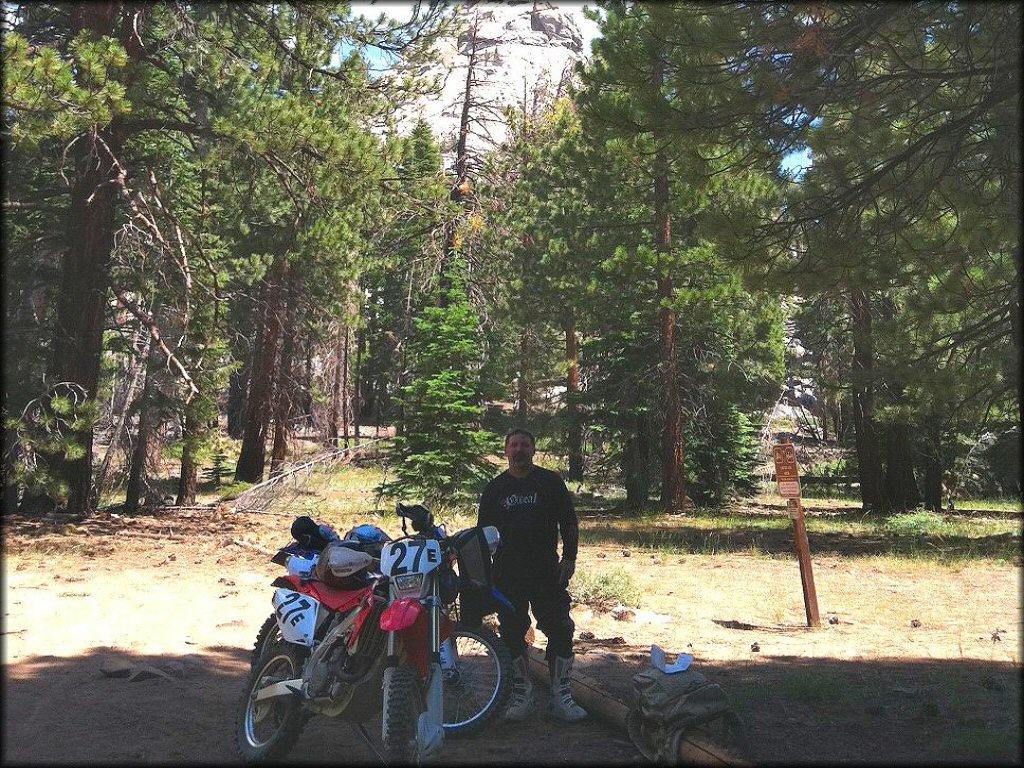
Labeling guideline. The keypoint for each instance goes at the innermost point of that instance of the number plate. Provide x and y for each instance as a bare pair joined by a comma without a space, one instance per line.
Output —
410,556
296,615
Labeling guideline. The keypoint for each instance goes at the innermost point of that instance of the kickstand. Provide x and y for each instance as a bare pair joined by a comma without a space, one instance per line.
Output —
358,728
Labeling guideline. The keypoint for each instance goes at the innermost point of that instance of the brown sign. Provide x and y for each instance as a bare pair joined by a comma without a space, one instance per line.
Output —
786,473
793,508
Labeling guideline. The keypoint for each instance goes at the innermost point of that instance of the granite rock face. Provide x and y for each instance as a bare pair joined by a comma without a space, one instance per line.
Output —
525,53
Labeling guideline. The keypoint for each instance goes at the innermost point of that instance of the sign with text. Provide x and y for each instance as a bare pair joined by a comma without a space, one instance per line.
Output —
786,474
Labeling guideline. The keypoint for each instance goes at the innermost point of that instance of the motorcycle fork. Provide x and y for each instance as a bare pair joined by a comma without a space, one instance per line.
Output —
430,726
430,723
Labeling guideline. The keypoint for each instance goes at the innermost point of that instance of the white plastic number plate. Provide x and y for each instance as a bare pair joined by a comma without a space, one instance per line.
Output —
410,556
296,615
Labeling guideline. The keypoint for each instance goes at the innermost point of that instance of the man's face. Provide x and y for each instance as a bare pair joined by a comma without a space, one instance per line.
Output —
519,452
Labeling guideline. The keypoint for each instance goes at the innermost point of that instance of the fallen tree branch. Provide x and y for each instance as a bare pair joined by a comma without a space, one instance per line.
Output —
147,319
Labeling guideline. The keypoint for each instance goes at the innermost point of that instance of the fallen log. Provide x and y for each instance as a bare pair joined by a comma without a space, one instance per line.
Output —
588,693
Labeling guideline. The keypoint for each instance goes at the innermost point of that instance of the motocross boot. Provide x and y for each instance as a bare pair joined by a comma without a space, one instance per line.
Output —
560,703
521,703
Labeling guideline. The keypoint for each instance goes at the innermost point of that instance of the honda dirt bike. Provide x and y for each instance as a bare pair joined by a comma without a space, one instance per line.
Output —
362,626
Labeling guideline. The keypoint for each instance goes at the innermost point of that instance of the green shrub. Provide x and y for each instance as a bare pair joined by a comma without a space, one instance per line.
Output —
604,591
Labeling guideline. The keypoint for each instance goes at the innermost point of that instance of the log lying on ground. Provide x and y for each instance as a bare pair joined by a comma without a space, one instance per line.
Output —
588,693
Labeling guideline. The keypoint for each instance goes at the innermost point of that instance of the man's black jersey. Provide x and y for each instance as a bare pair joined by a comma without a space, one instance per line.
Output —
529,512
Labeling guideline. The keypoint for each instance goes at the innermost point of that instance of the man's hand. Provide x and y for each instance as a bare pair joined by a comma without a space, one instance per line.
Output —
566,568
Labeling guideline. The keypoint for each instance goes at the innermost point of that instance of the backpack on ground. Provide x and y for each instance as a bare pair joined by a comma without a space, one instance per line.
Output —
667,706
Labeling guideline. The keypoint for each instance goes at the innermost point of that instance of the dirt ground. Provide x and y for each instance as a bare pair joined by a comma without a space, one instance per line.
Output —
921,664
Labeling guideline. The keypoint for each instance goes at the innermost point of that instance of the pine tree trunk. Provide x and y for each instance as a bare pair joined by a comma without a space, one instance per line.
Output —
933,472
900,485
673,481
346,394
332,422
188,479
357,398
78,327
284,385
78,337
238,383
251,458
307,388
862,373
574,429
143,438
635,466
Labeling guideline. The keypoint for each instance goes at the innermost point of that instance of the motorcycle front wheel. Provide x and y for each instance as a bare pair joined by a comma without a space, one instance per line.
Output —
403,704
266,730
477,687
269,633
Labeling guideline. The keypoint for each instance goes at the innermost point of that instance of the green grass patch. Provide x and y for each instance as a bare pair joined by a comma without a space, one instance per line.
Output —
1001,505
918,523
951,541
233,491
812,688
603,591
981,744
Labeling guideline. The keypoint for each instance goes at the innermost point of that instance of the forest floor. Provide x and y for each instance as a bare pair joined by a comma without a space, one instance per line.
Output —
918,659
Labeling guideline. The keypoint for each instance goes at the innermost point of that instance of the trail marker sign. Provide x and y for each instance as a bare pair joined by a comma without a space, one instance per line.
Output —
788,478
786,474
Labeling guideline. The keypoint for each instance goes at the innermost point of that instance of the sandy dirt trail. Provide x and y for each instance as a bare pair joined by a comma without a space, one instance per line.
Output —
194,618
921,663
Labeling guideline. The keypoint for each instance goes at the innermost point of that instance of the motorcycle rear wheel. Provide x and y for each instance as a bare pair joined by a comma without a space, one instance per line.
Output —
480,687
403,703
267,730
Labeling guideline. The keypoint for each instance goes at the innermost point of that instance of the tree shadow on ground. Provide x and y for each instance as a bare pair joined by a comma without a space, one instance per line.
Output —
65,710
693,539
879,711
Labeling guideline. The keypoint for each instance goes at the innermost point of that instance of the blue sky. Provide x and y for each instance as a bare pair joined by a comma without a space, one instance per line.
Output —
798,162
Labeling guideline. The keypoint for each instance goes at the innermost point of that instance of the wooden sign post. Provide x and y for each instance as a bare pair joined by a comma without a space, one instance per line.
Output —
788,478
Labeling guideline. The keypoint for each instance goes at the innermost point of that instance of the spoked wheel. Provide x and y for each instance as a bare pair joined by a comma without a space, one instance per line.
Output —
269,633
477,688
266,730
403,704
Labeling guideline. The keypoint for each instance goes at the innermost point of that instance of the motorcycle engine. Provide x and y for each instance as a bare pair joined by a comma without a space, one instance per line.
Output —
320,671
327,658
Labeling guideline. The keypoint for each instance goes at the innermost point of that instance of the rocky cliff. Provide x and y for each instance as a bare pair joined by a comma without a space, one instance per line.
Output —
521,54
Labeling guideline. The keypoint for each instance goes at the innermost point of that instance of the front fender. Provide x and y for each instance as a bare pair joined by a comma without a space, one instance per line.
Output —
401,614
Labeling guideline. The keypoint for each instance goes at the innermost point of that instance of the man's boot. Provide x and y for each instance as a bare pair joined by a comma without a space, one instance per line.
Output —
560,703
521,703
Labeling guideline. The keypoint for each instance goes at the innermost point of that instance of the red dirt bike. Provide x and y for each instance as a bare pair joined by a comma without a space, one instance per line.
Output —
368,629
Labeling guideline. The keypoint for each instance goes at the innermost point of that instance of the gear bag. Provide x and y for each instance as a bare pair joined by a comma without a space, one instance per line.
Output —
669,705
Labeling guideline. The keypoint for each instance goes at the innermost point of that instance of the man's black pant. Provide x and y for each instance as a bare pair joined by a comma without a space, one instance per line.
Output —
550,605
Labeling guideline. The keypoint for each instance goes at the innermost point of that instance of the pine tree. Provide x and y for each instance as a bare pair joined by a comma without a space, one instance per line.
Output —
440,451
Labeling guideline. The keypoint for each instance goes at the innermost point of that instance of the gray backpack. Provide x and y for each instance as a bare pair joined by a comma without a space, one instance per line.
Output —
667,706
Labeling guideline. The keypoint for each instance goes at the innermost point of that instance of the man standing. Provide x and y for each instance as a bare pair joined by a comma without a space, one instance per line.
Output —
530,506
